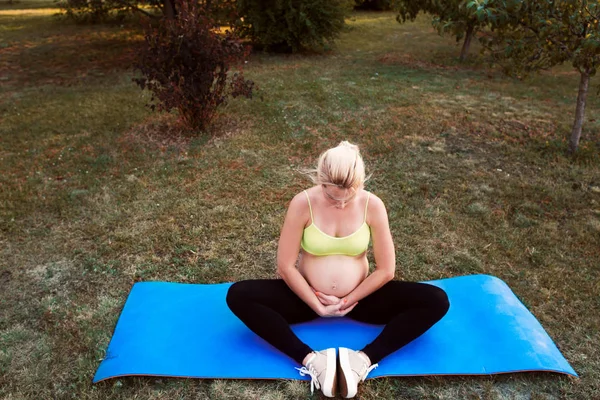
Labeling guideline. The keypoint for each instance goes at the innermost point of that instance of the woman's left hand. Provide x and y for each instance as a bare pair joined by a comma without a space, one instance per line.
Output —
346,303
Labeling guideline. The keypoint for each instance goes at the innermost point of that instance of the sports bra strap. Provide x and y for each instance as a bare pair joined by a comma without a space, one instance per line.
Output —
310,208
366,205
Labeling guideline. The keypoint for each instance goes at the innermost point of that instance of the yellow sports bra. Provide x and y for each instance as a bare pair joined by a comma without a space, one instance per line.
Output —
318,243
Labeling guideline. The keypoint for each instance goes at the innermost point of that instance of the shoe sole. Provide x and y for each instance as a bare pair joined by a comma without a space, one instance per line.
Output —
330,382
348,387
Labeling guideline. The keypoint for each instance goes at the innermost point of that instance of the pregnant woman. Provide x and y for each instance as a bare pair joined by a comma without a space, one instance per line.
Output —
322,260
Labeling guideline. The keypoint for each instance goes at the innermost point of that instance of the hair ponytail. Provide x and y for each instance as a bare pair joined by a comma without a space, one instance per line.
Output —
341,166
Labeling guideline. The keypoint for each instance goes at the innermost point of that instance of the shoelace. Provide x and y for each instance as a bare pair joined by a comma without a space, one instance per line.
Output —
371,368
313,375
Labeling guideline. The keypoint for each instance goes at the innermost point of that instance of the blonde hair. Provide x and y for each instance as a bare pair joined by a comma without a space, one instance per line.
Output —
341,166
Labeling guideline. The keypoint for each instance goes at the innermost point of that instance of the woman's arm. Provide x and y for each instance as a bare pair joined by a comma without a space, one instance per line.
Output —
383,250
288,249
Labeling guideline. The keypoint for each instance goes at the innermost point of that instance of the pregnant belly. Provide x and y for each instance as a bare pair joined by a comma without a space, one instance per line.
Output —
336,275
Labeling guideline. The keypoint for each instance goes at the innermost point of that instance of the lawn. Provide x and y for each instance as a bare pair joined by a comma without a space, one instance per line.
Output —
98,193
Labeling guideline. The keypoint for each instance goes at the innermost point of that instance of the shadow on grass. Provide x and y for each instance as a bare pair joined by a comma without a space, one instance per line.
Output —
65,59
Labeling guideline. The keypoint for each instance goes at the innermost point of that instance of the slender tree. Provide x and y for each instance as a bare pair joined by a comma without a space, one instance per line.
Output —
533,35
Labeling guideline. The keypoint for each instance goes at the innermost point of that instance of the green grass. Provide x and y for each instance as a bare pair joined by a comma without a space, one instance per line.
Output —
98,193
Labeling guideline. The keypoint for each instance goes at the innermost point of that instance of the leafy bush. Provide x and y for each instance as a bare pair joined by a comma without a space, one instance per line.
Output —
185,63
292,25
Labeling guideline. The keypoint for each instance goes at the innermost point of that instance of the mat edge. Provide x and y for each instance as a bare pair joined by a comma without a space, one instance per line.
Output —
574,375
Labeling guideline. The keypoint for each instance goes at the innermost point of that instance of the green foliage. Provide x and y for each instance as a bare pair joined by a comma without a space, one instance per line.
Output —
444,12
292,25
533,35
185,63
448,16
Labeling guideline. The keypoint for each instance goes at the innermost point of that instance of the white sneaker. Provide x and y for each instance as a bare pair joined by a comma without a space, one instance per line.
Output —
321,367
354,368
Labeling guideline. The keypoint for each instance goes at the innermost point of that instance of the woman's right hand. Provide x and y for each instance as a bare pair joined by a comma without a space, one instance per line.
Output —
334,310
327,299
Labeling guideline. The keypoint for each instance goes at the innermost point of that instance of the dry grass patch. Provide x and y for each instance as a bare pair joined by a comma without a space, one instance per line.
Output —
244,390
67,58
412,62
25,357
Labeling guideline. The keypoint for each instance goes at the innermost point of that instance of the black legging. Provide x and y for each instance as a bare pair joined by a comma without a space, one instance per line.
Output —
407,309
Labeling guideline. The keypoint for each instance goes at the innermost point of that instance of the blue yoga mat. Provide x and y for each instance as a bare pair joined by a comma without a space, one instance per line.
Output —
187,330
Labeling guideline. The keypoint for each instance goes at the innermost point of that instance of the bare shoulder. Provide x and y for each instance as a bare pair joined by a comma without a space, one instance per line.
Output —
298,206
299,200
376,210
375,203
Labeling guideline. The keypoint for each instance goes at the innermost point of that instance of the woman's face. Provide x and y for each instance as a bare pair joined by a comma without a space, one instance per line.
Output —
338,196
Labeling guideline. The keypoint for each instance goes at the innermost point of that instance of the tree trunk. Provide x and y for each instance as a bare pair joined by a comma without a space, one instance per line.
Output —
169,10
467,43
579,111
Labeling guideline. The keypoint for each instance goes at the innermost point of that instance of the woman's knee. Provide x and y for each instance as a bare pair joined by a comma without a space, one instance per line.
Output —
237,294
440,304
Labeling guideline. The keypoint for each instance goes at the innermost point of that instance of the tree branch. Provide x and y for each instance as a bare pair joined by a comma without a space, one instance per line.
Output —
590,12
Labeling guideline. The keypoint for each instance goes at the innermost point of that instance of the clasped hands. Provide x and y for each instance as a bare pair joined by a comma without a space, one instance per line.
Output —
333,306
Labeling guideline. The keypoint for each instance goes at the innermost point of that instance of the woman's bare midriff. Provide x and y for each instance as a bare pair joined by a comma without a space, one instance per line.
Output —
336,275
